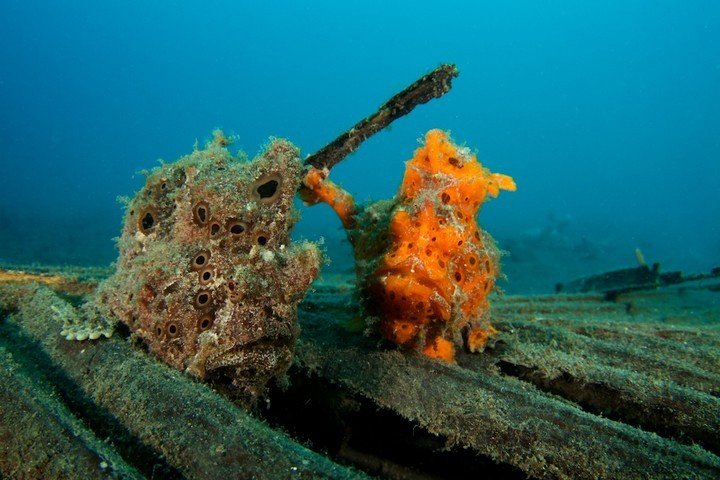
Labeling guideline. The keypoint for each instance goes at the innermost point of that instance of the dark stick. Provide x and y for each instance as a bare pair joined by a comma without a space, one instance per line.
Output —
433,85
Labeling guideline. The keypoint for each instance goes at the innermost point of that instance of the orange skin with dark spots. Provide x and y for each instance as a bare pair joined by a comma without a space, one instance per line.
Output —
431,286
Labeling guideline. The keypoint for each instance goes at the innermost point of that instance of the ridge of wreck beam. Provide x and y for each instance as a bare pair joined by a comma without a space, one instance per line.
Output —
498,416
199,433
40,438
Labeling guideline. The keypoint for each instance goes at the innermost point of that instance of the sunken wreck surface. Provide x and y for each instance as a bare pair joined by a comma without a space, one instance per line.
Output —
574,387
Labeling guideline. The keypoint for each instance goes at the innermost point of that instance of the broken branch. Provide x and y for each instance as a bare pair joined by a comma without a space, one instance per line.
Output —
433,85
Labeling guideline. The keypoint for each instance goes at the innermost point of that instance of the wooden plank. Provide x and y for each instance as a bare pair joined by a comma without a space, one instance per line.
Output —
574,387
199,433
663,362
41,438
507,419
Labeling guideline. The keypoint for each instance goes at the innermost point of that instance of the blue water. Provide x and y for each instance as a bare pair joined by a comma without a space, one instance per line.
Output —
607,114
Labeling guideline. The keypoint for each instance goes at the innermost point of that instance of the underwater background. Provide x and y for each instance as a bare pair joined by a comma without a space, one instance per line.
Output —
606,114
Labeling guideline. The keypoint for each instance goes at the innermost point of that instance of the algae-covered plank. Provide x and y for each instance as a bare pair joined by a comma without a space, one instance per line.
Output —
198,433
533,401
70,281
676,365
693,346
634,367
499,416
653,403
641,342
41,438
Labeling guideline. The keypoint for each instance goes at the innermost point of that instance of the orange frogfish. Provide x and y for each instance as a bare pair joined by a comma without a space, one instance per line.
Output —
425,268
